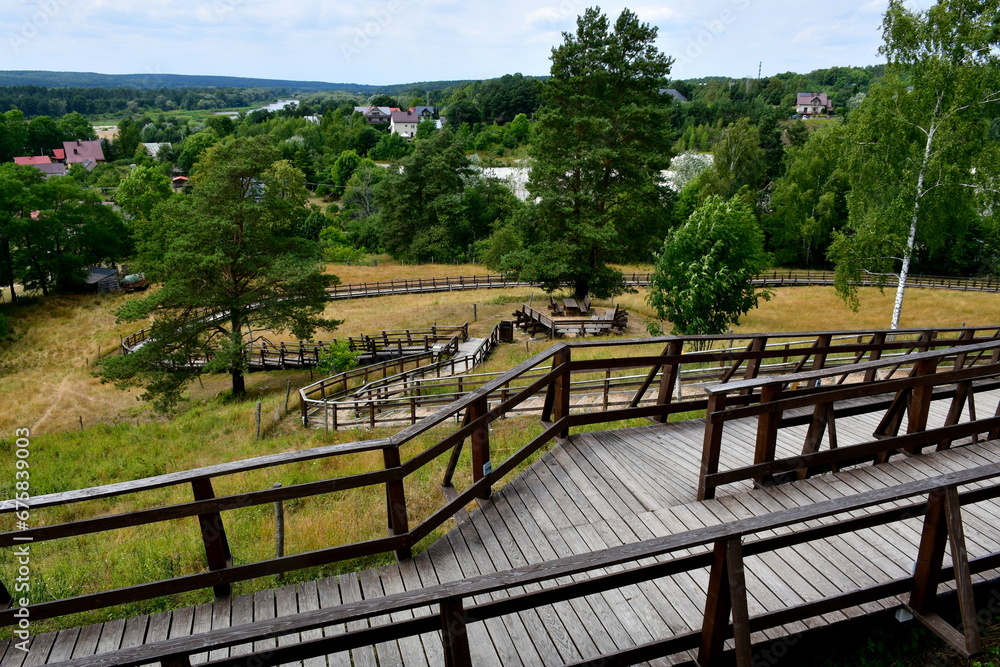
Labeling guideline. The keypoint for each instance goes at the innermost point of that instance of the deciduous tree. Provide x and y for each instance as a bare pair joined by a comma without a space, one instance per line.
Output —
919,142
703,278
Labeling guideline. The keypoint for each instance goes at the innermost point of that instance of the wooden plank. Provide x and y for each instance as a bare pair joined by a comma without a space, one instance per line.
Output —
158,629
328,594
241,614
86,643
221,618
263,610
411,578
286,603
135,632
39,650
350,591
112,633
371,588
62,648
411,649
202,623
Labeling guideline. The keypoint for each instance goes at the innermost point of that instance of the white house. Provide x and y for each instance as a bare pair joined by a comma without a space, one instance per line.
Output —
404,123
812,104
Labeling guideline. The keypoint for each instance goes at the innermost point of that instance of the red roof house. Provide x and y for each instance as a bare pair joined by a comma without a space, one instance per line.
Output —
33,160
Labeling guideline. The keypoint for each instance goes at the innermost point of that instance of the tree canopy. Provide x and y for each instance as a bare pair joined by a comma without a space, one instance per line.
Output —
227,265
919,143
601,141
702,282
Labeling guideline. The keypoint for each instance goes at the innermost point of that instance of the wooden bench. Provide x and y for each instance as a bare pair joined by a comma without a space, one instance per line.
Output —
555,307
571,306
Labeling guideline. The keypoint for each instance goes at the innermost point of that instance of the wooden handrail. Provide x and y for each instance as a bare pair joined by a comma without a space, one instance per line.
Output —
624,563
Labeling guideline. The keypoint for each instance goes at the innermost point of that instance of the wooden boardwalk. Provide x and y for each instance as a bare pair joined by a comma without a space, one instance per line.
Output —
593,491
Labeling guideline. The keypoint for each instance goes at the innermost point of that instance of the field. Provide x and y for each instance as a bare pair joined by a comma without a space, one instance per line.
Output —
85,433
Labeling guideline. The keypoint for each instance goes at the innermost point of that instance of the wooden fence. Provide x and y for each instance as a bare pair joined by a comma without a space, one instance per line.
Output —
376,402
976,347
785,278
267,355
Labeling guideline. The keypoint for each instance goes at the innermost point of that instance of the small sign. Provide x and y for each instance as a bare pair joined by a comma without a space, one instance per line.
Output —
487,468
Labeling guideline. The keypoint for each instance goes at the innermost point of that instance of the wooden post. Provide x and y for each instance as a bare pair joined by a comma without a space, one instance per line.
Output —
395,498
288,393
919,406
767,431
257,416
942,522
213,535
819,358
669,377
482,466
279,530
712,446
560,388
878,339
726,595
454,634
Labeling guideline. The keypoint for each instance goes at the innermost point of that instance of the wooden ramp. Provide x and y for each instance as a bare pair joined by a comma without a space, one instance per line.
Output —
595,490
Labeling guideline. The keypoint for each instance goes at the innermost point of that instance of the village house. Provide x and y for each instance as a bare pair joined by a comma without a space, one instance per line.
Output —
376,115
404,123
812,104
83,151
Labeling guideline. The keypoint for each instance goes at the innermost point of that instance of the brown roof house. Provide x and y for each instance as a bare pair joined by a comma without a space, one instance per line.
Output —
404,123
83,151
812,104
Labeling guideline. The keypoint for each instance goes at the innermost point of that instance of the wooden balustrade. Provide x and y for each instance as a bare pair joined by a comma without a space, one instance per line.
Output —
724,549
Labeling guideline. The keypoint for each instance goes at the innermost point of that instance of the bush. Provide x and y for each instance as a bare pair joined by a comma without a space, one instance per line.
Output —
337,358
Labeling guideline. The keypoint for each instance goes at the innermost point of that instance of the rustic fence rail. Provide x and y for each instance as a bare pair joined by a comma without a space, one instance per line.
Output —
722,549
779,278
552,374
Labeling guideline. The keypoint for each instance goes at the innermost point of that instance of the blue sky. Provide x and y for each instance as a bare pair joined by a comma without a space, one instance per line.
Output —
401,41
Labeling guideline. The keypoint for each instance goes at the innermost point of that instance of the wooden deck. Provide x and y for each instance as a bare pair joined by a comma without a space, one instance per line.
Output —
593,491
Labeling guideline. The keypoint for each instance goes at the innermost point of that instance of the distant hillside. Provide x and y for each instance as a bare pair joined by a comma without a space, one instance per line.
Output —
159,81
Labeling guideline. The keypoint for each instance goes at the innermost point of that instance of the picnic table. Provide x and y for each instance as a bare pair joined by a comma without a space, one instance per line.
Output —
571,306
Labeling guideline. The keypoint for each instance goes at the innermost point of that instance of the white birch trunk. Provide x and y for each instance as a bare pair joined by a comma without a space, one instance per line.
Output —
911,239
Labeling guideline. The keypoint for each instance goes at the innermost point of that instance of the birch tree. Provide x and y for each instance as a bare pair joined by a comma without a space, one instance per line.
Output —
918,146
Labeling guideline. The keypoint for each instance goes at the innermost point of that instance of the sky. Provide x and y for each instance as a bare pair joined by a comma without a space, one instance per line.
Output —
383,42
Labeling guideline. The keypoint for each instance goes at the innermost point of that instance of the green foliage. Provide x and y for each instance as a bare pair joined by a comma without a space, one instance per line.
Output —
193,148
337,358
702,282
392,147
505,98
53,229
342,170
226,264
596,177
425,210
739,161
141,190
809,202
919,148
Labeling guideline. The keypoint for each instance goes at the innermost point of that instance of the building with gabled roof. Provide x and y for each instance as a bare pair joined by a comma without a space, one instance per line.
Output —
812,104
31,160
82,151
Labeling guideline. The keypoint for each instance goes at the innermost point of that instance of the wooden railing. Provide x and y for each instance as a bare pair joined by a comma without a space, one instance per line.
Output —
817,398
724,549
377,402
265,355
777,278
552,372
